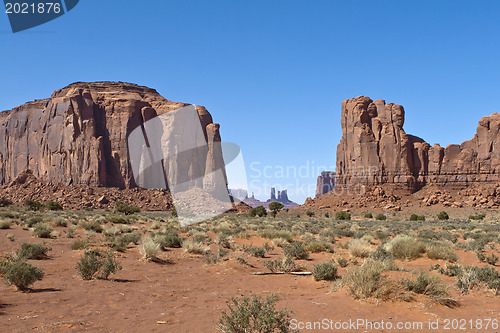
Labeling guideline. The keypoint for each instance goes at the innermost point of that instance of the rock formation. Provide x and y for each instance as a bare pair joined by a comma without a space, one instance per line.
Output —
325,183
79,134
374,149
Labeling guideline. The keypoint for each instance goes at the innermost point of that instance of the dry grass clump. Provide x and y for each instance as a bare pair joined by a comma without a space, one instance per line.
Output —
433,287
439,251
149,248
194,247
367,281
405,247
359,248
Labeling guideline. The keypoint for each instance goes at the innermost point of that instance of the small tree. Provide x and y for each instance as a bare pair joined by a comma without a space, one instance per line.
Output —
342,216
126,209
33,205
380,217
275,207
258,211
443,216
54,205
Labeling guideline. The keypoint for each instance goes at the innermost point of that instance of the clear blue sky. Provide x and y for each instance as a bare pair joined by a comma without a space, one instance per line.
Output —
273,73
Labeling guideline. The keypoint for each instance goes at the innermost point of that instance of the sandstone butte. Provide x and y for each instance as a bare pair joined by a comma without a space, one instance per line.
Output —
375,150
78,137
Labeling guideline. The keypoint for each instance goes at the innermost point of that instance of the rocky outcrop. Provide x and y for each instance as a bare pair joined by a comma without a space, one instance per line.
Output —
325,182
374,149
79,134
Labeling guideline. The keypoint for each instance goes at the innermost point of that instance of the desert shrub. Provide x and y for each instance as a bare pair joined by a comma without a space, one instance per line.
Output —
284,265
380,217
259,211
33,205
316,246
405,247
90,263
492,260
296,250
122,207
53,205
149,248
42,230
309,213
109,266
421,218
467,280
273,234
200,237
254,314
223,240
190,246
33,220
91,225
61,222
359,248
477,217
366,280
116,219
368,216
443,216
342,262
344,233
342,216
381,254
258,252
5,224
32,251
451,270
433,287
441,252
324,271
4,202
22,274
413,217
94,263
79,244
133,237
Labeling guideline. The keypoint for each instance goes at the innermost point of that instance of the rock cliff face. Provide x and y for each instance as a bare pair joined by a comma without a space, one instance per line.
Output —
325,183
375,149
79,134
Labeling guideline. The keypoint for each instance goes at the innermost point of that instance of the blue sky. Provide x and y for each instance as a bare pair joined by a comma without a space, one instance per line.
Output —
273,73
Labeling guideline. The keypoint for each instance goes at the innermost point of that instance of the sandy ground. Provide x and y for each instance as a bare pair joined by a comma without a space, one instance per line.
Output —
187,295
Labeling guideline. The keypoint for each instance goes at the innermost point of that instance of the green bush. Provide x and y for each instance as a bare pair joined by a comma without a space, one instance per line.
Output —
432,287
53,205
258,252
93,264
42,230
342,262
421,218
22,274
415,217
380,217
368,216
316,246
122,207
324,271
91,225
296,250
33,251
33,205
33,220
342,216
443,216
254,314
309,213
259,211
477,217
